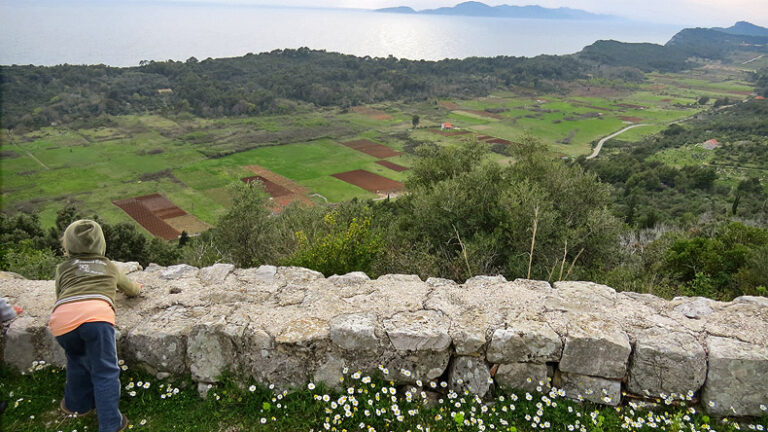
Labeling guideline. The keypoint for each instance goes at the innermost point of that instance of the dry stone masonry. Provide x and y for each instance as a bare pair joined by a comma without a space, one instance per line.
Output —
287,326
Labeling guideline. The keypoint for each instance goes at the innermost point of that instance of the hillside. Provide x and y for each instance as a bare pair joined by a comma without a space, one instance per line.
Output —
744,28
737,44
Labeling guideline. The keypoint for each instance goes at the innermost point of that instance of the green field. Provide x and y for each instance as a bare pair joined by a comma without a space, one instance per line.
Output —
138,155
191,160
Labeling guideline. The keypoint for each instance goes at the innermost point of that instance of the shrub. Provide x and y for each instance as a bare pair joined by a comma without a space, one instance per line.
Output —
30,262
346,247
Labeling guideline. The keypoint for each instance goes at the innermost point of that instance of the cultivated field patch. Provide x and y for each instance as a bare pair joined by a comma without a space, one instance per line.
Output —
480,113
188,223
371,113
449,132
280,185
273,189
393,166
372,148
147,211
370,181
631,119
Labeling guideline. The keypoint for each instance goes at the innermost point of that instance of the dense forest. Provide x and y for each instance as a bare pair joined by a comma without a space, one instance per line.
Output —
274,82
687,231
35,96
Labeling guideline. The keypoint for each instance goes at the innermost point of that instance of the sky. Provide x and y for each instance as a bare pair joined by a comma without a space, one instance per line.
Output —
687,12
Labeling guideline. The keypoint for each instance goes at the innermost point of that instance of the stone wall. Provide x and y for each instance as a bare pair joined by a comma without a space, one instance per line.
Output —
286,326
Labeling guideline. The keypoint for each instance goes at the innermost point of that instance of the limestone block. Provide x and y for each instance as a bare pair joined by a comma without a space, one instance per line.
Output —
399,278
160,343
534,285
6,275
178,271
593,389
128,267
304,331
330,372
597,348
523,376
695,308
52,352
264,274
269,363
409,366
215,274
471,374
298,274
736,379
153,268
485,280
354,332
525,341
440,282
666,362
29,340
210,350
578,289
352,278
423,330
468,341
291,294
759,301
20,344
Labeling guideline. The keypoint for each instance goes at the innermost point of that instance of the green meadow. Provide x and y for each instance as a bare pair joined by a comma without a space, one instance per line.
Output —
192,160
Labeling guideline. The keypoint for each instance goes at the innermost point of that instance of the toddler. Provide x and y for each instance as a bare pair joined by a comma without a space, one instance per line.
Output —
83,322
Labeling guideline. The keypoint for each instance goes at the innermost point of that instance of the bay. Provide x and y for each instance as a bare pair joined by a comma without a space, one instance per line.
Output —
122,34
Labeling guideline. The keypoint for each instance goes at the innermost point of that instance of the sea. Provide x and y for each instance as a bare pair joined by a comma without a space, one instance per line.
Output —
121,33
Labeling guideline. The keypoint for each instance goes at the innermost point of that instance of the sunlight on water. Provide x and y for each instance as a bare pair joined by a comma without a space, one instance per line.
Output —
122,35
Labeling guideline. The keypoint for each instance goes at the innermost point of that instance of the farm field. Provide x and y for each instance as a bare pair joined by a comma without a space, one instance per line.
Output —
191,161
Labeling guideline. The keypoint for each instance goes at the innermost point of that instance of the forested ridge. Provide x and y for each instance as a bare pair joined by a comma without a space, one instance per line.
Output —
273,82
267,83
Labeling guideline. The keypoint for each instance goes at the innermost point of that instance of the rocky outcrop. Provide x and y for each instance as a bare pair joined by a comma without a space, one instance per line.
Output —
286,326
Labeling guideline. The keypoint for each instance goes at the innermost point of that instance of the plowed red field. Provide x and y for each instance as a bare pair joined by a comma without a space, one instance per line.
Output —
370,181
295,192
392,166
371,148
149,211
273,189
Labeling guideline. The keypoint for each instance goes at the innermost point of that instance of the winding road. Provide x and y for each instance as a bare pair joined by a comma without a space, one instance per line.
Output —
599,145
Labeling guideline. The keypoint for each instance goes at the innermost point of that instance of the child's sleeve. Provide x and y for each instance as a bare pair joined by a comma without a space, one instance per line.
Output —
124,284
129,287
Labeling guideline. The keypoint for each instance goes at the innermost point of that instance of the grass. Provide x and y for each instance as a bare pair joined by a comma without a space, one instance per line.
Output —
689,155
360,402
93,166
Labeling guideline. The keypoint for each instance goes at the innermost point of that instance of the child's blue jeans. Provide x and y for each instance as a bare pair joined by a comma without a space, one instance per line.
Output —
93,376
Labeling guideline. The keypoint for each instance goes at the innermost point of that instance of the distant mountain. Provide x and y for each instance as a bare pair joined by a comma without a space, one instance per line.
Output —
477,9
401,9
745,29
728,45
716,44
